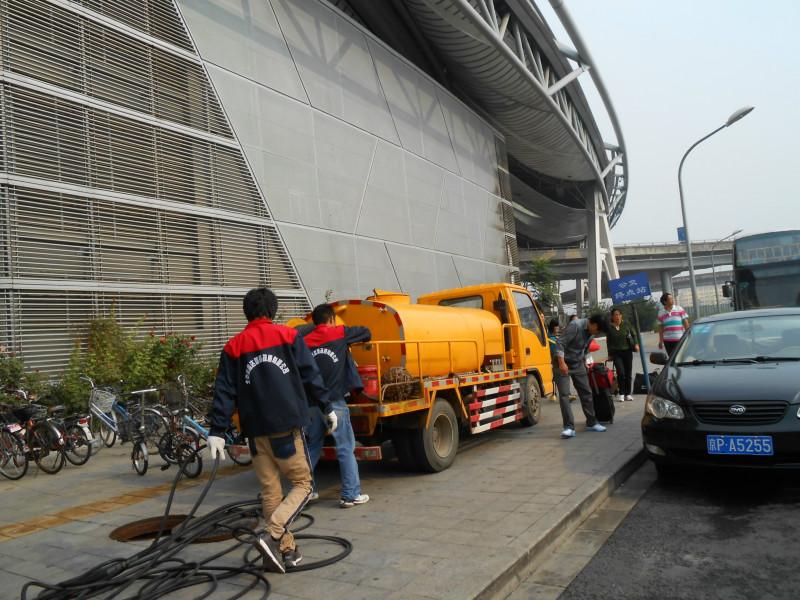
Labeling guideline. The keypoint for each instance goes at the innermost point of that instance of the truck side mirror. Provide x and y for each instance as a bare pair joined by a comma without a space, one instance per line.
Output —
501,306
726,290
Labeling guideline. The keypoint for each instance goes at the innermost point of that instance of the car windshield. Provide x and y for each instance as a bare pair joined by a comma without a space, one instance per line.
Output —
749,339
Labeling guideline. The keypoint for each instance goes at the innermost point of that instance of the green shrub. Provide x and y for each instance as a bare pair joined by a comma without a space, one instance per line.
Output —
110,354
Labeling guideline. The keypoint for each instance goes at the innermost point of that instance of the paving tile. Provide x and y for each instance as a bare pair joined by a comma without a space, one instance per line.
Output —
559,569
444,535
584,542
536,591
604,519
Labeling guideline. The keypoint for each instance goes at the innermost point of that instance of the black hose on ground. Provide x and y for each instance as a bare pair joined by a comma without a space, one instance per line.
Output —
158,570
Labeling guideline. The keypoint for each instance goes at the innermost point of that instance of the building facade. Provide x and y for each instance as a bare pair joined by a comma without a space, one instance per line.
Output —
160,158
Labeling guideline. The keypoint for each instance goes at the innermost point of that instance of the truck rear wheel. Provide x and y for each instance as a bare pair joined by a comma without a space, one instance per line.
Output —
531,397
435,446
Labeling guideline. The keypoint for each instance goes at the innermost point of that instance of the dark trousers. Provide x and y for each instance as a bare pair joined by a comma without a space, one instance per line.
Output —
623,363
580,379
669,347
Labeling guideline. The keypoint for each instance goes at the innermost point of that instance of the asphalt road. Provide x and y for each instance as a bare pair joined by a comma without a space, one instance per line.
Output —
726,536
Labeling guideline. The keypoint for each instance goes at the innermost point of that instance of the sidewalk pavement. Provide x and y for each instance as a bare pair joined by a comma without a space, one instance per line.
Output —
469,532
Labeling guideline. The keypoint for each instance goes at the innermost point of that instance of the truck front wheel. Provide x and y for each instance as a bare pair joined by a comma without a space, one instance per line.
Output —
531,397
435,446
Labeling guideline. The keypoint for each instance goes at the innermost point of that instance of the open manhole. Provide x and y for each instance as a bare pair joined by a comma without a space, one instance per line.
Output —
147,529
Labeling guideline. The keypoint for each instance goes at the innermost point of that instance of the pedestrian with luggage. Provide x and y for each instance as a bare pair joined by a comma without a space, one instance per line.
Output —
264,372
573,345
329,344
674,321
621,343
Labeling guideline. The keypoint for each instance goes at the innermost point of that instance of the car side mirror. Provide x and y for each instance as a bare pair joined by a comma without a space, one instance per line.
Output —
659,358
726,290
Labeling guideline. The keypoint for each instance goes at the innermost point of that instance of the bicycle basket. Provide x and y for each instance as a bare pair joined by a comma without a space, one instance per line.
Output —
102,399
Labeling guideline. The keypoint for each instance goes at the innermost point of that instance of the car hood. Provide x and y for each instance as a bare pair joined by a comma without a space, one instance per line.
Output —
733,382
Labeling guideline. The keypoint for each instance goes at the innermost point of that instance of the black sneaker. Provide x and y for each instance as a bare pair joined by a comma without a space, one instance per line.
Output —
292,558
270,550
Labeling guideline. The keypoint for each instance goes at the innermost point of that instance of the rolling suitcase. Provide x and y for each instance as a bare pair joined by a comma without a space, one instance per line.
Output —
601,381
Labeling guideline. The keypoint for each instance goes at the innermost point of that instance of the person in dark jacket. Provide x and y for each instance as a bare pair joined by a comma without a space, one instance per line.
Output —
573,345
329,345
264,372
621,343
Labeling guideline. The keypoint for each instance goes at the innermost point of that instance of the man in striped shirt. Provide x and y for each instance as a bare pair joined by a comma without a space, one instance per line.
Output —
674,322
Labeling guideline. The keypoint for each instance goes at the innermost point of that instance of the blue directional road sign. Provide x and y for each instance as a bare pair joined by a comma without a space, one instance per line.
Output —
630,287
681,234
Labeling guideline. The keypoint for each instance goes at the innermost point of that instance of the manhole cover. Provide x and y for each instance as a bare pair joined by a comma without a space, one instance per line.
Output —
147,529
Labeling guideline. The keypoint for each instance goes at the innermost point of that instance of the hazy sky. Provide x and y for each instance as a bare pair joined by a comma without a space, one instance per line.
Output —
676,69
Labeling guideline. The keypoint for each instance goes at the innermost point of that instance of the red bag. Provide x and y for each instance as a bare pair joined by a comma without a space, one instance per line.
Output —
601,376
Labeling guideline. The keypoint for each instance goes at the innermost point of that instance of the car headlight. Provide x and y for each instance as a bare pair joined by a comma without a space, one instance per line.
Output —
661,408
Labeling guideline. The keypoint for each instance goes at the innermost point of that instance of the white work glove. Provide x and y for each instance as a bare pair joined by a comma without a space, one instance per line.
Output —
216,447
333,421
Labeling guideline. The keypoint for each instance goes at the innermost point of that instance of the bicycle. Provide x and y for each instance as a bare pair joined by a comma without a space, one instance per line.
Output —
188,429
110,419
78,438
28,434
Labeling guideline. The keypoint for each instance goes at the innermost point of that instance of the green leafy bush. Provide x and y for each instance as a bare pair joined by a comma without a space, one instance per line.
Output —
112,355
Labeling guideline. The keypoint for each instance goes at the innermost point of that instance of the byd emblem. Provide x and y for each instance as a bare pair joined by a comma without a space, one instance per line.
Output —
737,409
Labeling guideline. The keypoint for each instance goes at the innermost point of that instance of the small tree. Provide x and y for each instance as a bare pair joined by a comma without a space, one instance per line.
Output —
540,276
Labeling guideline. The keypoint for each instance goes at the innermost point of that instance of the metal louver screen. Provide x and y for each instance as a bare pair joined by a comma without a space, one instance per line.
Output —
154,17
57,46
48,324
59,236
126,189
65,141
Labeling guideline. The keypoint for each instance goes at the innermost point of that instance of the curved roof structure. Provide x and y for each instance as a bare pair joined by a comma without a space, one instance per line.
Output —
502,58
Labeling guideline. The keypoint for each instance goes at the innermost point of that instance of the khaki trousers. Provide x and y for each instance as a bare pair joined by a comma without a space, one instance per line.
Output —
282,454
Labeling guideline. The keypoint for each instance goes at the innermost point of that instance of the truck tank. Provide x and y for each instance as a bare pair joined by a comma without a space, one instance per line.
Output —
451,339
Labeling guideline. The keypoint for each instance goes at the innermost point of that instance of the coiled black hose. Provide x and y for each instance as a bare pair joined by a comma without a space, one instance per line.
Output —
158,570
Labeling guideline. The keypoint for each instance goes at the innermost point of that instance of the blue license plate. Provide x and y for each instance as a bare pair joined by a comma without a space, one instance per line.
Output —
759,445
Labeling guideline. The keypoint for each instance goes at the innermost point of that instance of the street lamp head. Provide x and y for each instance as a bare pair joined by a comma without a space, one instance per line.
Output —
737,232
742,112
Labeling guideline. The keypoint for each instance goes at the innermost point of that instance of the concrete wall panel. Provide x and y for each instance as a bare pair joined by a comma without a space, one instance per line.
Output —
374,267
243,36
325,260
415,107
335,65
385,213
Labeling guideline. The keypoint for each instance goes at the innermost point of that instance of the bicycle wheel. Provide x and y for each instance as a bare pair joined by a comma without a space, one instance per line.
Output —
77,447
191,460
155,425
107,435
139,458
46,445
13,460
166,447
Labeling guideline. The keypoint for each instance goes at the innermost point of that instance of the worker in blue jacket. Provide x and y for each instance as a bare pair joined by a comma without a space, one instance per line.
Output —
329,344
265,372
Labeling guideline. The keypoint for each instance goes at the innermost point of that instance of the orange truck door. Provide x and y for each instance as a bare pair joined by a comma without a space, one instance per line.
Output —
532,345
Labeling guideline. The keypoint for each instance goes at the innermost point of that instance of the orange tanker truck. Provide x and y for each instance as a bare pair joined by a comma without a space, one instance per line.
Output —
466,360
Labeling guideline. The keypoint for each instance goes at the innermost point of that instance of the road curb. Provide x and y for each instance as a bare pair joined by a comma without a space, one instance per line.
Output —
507,581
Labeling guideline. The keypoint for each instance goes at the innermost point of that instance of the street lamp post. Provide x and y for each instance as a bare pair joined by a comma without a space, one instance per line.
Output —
742,112
713,267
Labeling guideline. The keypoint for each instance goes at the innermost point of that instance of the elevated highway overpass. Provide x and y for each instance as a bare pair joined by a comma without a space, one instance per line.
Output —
661,261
